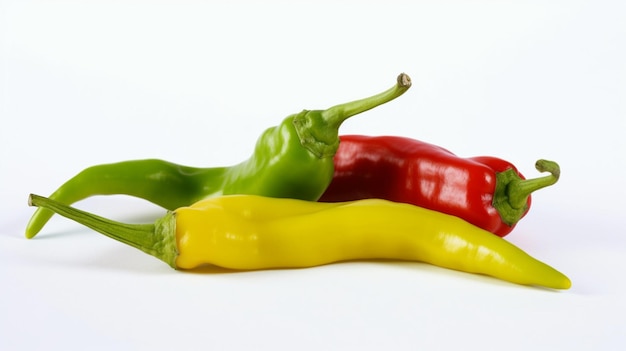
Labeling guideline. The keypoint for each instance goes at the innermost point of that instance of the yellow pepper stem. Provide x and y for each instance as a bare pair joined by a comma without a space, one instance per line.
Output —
158,240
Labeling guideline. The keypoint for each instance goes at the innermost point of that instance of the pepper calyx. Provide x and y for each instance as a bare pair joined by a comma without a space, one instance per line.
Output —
166,248
315,135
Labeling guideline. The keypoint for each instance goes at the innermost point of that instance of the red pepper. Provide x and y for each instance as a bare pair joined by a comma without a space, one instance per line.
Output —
486,191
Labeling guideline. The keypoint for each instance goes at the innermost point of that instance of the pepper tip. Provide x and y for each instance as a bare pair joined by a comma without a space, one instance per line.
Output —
566,282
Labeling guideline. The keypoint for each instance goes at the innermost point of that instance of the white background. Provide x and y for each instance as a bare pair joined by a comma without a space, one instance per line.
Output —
196,82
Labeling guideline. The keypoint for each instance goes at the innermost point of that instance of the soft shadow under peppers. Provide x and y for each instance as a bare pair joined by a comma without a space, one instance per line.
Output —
293,159
486,191
248,232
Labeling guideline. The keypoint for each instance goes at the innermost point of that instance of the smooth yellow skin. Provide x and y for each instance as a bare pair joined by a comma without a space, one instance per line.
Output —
251,232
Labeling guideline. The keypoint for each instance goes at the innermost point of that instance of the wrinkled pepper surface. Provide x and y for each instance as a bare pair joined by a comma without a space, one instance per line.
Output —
486,191
249,232
293,159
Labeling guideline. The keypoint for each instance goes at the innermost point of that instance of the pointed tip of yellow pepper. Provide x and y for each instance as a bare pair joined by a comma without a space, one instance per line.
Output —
565,283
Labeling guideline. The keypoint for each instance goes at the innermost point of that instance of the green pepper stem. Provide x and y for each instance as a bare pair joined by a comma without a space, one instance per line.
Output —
318,130
518,191
339,113
156,239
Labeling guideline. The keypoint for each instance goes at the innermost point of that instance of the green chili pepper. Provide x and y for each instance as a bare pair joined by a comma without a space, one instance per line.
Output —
291,160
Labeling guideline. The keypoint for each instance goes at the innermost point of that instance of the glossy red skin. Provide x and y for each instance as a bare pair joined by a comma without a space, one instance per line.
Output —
411,171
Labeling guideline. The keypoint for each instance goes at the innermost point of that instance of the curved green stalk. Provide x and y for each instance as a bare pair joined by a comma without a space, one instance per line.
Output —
318,130
520,190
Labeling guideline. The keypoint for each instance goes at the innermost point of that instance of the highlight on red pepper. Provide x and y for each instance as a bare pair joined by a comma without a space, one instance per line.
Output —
486,191
248,232
293,159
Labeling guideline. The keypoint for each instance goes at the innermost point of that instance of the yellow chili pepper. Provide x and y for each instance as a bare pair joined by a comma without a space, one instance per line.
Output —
249,232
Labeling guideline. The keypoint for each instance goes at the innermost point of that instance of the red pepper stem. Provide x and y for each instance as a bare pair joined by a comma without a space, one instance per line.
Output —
518,191
156,239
